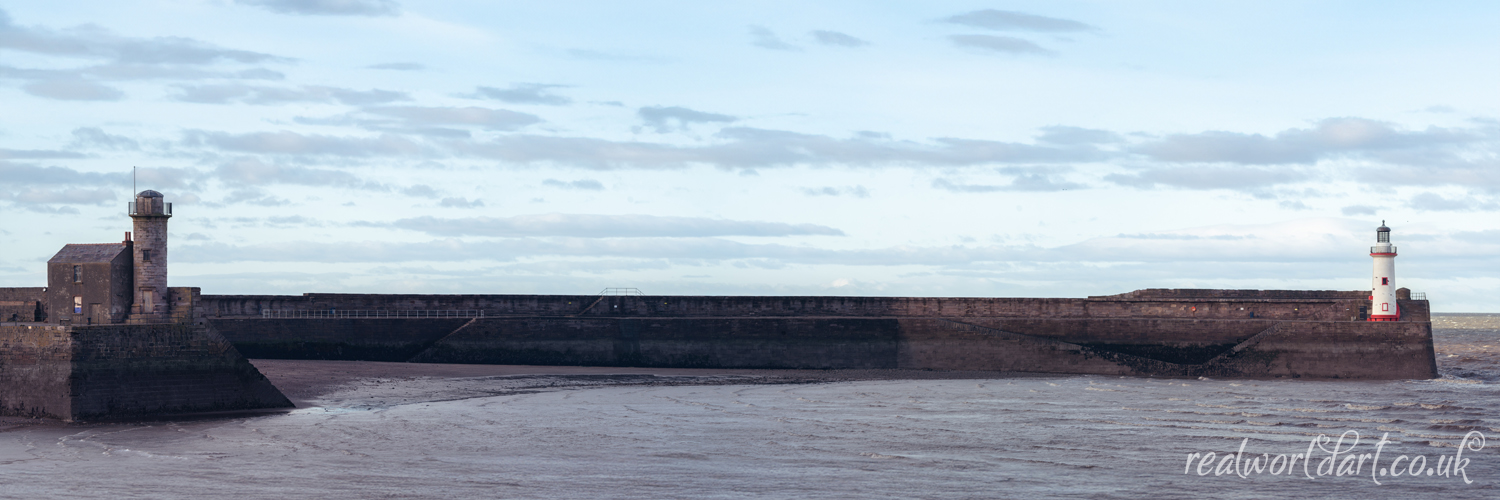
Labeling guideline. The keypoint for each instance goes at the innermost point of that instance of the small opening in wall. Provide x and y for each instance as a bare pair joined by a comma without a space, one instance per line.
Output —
1385,281
146,255
77,305
78,274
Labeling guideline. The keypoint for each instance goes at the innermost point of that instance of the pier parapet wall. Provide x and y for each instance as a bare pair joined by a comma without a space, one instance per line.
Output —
1203,304
1231,333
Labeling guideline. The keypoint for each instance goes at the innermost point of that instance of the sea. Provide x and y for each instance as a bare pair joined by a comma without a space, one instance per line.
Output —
644,435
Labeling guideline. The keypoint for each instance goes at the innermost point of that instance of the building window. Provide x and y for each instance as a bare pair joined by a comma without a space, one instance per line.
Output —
77,305
1385,306
1385,281
146,255
78,274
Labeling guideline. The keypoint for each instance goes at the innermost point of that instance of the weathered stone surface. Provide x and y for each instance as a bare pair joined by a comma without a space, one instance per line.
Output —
149,258
119,371
35,371
99,275
672,342
22,304
1321,306
348,339
1227,333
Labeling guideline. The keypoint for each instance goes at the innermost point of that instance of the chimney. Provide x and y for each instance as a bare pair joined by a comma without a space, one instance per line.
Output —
127,236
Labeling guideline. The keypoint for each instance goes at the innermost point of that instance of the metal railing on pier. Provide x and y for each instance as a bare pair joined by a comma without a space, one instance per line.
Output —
1419,296
372,314
621,291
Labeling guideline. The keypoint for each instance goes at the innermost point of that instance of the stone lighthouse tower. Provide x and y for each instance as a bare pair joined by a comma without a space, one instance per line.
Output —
150,213
1383,297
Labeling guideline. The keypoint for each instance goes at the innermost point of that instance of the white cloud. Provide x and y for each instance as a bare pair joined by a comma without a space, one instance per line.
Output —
584,184
328,7
73,90
837,39
1005,44
265,95
665,119
1005,20
94,42
763,37
524,93
606,226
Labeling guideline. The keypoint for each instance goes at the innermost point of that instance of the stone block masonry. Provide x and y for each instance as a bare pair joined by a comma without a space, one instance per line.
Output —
1180,333
812,343
130,370
150,260
1304,306
36,368
22,304
118,371
342,339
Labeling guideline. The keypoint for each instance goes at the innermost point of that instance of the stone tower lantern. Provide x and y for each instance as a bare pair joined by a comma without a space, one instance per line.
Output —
150,212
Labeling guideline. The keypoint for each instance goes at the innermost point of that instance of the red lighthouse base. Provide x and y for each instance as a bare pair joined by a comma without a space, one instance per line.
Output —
1385,317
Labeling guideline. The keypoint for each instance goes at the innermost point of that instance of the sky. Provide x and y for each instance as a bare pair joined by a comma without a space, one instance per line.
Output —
976,149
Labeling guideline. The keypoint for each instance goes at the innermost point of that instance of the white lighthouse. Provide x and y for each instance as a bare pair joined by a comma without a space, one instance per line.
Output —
1383,297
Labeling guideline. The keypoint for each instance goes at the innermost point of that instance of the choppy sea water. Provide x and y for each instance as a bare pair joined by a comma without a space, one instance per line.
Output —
636,437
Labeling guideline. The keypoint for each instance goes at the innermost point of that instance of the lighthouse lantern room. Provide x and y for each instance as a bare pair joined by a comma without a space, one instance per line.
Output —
1383,296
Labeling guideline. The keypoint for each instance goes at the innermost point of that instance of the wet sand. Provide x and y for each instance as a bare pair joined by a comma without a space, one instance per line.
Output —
373,383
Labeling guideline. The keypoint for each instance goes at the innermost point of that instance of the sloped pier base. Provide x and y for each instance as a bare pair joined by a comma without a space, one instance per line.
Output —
125,371
1285,349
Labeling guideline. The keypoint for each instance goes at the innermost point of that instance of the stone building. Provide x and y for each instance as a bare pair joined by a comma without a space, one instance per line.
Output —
106,283
90,284
108,339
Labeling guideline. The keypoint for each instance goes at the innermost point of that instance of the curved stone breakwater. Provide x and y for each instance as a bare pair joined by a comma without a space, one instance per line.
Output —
1177,333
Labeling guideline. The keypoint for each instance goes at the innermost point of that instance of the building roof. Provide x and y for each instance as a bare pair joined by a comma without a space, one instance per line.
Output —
85,253
148,194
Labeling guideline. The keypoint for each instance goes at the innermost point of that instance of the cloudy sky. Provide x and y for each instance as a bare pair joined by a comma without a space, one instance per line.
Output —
831,148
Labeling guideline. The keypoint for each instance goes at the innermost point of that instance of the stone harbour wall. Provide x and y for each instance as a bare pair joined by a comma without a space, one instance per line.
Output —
102,372
390,339
130,370
35,371
815,343
1307,306
1229,333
